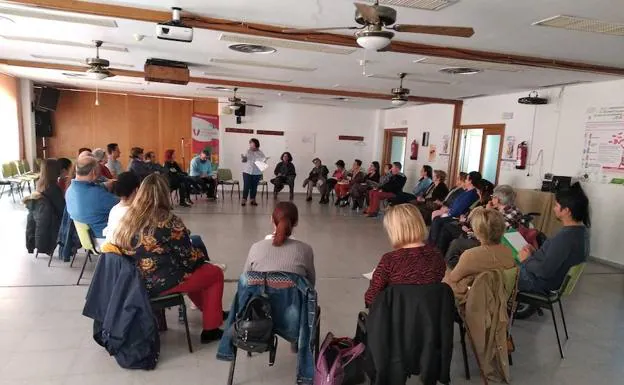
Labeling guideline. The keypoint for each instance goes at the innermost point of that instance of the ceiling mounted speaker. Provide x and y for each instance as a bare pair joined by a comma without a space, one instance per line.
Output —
533,99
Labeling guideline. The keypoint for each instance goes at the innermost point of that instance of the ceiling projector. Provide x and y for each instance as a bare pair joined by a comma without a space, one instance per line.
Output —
533,99
174,30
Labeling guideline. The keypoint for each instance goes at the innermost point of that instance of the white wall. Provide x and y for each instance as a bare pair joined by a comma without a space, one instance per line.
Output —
28,120
437,119
298,120
559,133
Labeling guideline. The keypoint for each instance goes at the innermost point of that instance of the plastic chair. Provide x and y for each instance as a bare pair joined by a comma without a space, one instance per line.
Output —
224,178
166,301
546,301
87,241
9,178
265,187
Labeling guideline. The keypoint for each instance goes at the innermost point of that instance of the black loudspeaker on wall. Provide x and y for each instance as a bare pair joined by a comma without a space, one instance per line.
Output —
43,124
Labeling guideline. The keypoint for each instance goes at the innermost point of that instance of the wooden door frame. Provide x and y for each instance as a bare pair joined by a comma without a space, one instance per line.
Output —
387,145
498,128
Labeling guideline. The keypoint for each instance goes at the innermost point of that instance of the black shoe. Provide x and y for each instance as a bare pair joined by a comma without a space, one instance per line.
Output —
184,204
309,199
291,196
208,336
344,203
253,203
244,203
226,314
337,203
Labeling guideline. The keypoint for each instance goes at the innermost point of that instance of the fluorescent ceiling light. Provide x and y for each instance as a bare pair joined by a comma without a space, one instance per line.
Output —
245,77
252,63
26,39
57,16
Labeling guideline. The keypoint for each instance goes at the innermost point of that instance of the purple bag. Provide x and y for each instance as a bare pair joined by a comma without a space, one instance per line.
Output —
335,354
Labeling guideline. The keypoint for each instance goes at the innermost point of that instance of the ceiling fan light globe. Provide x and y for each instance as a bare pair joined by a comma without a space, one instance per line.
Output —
97,75
398,102
373,43
234,107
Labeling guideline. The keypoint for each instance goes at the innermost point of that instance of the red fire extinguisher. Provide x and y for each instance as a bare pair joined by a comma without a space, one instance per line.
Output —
522,154
414,150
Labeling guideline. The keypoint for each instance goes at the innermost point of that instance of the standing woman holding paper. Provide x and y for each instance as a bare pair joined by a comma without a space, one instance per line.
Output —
252,174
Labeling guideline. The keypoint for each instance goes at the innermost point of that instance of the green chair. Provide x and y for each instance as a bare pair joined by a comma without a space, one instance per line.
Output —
87,241
14,183
159,304
547,301
265,187
224,178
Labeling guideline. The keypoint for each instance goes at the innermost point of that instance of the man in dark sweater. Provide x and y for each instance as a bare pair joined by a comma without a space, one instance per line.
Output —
393,186
460,206
545,269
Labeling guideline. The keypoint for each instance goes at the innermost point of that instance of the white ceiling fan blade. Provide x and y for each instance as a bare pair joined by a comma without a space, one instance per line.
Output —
78,61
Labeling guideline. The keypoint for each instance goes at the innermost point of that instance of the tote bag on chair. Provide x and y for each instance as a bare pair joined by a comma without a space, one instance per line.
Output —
334,356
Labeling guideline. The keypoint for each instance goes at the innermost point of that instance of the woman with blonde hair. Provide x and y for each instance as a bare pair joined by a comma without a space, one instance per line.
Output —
413,261
489,227
166,256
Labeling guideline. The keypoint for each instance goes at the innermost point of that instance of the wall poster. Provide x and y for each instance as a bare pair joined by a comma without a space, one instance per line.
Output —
205,133
603,148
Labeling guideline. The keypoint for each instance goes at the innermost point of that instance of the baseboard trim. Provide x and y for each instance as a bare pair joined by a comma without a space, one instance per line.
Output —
612,264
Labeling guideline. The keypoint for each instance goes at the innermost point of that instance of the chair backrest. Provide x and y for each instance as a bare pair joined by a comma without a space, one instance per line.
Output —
19,165
37,165
25,166
571,279
7,171
224,174
86,237
13,167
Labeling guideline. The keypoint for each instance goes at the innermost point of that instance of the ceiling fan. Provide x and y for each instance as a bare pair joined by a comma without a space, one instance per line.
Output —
377,21
98,67
400,95
234,102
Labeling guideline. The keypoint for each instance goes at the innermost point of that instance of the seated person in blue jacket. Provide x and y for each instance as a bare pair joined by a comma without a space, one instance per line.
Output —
201,172
169,259
88,201
460,206
545,269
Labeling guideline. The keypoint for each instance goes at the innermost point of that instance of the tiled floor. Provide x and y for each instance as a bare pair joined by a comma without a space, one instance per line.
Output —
44,339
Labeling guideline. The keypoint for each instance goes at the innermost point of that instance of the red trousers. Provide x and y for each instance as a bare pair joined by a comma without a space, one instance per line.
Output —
342,189
374,198
205,288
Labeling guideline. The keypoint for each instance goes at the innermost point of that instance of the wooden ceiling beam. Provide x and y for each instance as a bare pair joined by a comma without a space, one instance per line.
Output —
235,83
273,31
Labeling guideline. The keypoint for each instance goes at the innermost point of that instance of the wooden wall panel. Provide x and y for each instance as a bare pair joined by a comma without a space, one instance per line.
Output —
142,125
156,124
73,125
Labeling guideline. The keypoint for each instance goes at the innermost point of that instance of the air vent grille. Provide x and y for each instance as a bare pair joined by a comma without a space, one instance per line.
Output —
582,24
430,5
409,79
245,77
279,43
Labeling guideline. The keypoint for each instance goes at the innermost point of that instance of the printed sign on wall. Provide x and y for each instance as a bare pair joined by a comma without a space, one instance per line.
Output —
206,136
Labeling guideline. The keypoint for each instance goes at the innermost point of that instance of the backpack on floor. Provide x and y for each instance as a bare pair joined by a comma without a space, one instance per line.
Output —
253,327
334,357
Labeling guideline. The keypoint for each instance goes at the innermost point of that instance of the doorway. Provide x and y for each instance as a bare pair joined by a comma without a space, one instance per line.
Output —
395,142
479,148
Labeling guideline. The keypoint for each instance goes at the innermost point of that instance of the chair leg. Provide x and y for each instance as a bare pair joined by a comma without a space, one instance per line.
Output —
36,254
462,337
223,190
565,327
50,260
232,192
552,311
83,267
188,333
232,367
71,264
238,187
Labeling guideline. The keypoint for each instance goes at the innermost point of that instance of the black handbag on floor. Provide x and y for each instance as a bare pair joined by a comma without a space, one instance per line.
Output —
354,372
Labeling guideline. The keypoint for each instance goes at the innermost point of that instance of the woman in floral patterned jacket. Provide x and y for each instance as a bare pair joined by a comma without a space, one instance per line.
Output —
166,257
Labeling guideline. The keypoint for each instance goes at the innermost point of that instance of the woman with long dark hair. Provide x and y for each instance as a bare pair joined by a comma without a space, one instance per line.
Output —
280,252
45,210
168,259
285,175
251,173
359,191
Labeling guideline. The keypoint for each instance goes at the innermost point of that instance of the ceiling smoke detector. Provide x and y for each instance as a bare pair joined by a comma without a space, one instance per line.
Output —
460,71
252,49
